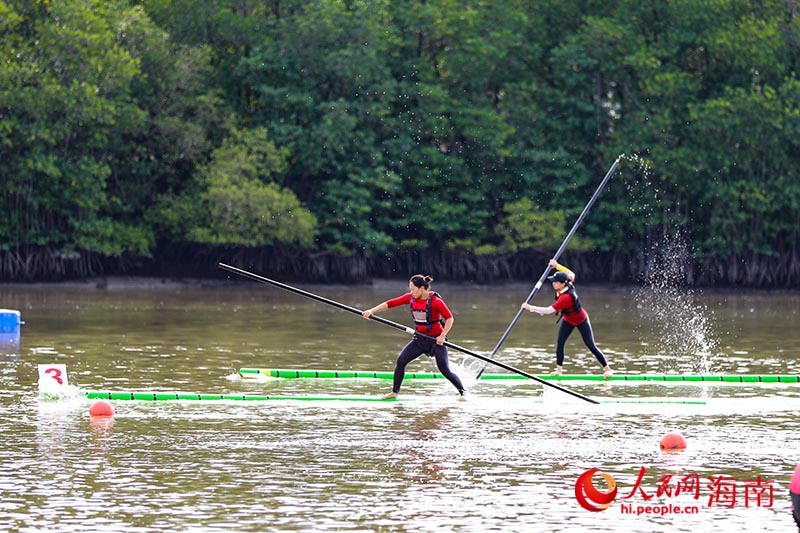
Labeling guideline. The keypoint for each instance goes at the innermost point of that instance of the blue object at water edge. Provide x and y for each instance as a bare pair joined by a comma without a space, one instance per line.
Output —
9,321
9,328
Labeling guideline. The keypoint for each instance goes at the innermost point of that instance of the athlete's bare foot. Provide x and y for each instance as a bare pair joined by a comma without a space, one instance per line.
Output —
607,372
462,397
390,396
557,372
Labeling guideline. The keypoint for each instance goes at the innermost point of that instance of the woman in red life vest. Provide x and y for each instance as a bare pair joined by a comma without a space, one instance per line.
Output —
433,319
573,316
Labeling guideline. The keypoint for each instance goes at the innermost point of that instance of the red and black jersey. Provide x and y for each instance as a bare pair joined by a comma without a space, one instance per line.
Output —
423,319
568,304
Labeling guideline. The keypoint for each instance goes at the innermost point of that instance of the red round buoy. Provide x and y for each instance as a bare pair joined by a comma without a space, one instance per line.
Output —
673,441
794,485
794,493
101,408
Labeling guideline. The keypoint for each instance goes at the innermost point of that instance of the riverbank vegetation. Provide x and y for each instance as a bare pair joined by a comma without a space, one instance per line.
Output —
338,140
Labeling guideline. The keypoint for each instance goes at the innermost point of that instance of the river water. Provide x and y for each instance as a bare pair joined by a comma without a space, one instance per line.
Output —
508,459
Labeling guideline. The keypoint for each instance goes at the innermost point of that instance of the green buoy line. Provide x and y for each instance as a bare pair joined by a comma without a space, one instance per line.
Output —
145,396
154,396
673,378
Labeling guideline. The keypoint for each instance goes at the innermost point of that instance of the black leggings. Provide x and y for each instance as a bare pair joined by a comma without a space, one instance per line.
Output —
585,327
414,349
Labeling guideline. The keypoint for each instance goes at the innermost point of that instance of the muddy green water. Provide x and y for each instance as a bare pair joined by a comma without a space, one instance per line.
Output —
506,460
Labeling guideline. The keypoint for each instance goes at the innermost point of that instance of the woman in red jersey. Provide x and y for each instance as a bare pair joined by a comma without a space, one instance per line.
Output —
432,319
573,316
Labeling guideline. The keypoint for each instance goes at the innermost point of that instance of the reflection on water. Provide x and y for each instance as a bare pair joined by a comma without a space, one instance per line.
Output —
506,460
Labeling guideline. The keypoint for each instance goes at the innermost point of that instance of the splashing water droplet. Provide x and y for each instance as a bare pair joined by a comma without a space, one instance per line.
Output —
675,325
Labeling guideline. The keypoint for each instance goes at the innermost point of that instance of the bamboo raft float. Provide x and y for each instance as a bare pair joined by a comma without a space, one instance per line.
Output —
634,378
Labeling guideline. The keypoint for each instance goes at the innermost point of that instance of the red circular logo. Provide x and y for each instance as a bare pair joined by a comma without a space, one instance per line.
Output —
589,497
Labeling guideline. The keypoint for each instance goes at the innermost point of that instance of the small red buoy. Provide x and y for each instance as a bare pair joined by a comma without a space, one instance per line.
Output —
673,441
101,408
794,493
794,485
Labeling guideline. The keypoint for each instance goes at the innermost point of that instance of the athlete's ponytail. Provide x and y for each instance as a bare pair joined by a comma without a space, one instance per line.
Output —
421,281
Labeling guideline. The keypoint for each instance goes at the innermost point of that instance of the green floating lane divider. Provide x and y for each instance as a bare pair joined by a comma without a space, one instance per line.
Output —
353,374
637,401
186,396
344,374
145,396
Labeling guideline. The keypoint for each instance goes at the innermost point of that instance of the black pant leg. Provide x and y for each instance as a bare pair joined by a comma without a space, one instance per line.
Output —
443,364
412,350
564,331
587,334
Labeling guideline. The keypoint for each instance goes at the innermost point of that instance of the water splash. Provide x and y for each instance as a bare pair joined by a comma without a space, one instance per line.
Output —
50,392
643,193
676,325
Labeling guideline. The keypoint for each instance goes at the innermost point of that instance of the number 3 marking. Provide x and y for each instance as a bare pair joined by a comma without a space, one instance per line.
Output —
56,375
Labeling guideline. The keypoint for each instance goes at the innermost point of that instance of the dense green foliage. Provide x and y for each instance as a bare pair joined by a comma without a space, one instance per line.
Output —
371,128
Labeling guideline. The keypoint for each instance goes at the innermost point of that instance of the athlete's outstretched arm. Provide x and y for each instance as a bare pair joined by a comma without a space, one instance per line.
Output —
549,310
